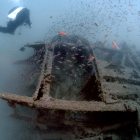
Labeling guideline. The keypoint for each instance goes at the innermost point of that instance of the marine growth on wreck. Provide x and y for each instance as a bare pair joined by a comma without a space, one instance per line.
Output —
81,87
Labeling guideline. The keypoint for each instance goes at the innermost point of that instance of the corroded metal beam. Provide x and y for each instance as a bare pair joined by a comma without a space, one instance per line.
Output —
50,103
121,80
45,78
13,98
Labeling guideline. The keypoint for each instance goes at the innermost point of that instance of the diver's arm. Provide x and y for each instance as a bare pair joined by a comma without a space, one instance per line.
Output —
28,22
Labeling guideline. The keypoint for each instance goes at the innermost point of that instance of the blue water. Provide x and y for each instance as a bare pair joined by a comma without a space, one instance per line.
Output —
119,19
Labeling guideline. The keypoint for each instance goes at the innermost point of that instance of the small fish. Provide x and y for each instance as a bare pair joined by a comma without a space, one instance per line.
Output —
71,74
38,61
82,56
57,67
54,56
50,68
58,53
73,47
43,63
104,41
96,24
89,60
91,46
60,62
107,53
79,41
115,45
69,61
62,33
74,30
106,35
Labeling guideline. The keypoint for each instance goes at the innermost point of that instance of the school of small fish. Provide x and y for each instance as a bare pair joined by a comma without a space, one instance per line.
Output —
95,21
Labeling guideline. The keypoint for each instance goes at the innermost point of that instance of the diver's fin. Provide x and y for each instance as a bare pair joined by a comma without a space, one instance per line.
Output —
9,29
3,29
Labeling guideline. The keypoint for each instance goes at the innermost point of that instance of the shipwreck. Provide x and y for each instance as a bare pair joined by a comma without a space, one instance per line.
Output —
83,91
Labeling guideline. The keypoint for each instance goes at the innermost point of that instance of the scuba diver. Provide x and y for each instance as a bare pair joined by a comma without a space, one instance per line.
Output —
17,16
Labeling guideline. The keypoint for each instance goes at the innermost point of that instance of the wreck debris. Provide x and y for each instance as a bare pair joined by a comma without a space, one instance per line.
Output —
22,49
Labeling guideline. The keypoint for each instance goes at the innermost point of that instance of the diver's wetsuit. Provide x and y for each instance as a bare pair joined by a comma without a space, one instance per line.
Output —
17,17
